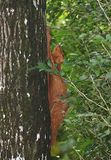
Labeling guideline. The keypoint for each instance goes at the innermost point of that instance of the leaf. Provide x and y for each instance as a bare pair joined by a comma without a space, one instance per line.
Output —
83,77
108,76
49,63
55,150
99,38
82,36
32,68
108,37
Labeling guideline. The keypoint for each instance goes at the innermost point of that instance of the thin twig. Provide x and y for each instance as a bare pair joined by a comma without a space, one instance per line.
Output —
104,12
106,50
83,95
105,121
81,158
99,92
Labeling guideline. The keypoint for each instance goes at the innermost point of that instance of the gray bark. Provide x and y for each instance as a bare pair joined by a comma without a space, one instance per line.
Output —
24,113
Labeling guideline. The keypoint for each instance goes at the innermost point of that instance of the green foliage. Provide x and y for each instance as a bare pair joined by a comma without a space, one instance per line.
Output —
83,28
47,67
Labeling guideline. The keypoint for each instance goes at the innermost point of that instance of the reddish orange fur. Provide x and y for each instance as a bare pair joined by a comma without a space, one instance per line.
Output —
56,89
58,112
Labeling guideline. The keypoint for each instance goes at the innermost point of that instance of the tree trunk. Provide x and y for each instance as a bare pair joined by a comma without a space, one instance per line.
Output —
24,111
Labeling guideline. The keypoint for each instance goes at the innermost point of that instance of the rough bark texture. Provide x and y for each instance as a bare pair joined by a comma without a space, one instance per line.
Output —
24,111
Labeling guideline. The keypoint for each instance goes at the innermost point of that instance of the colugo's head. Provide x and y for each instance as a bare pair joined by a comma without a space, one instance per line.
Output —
57,55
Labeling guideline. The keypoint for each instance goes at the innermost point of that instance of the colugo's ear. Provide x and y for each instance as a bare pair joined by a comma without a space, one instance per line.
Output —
57,50
58,55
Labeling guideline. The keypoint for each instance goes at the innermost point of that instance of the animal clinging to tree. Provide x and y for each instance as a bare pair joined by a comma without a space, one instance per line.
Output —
56,89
